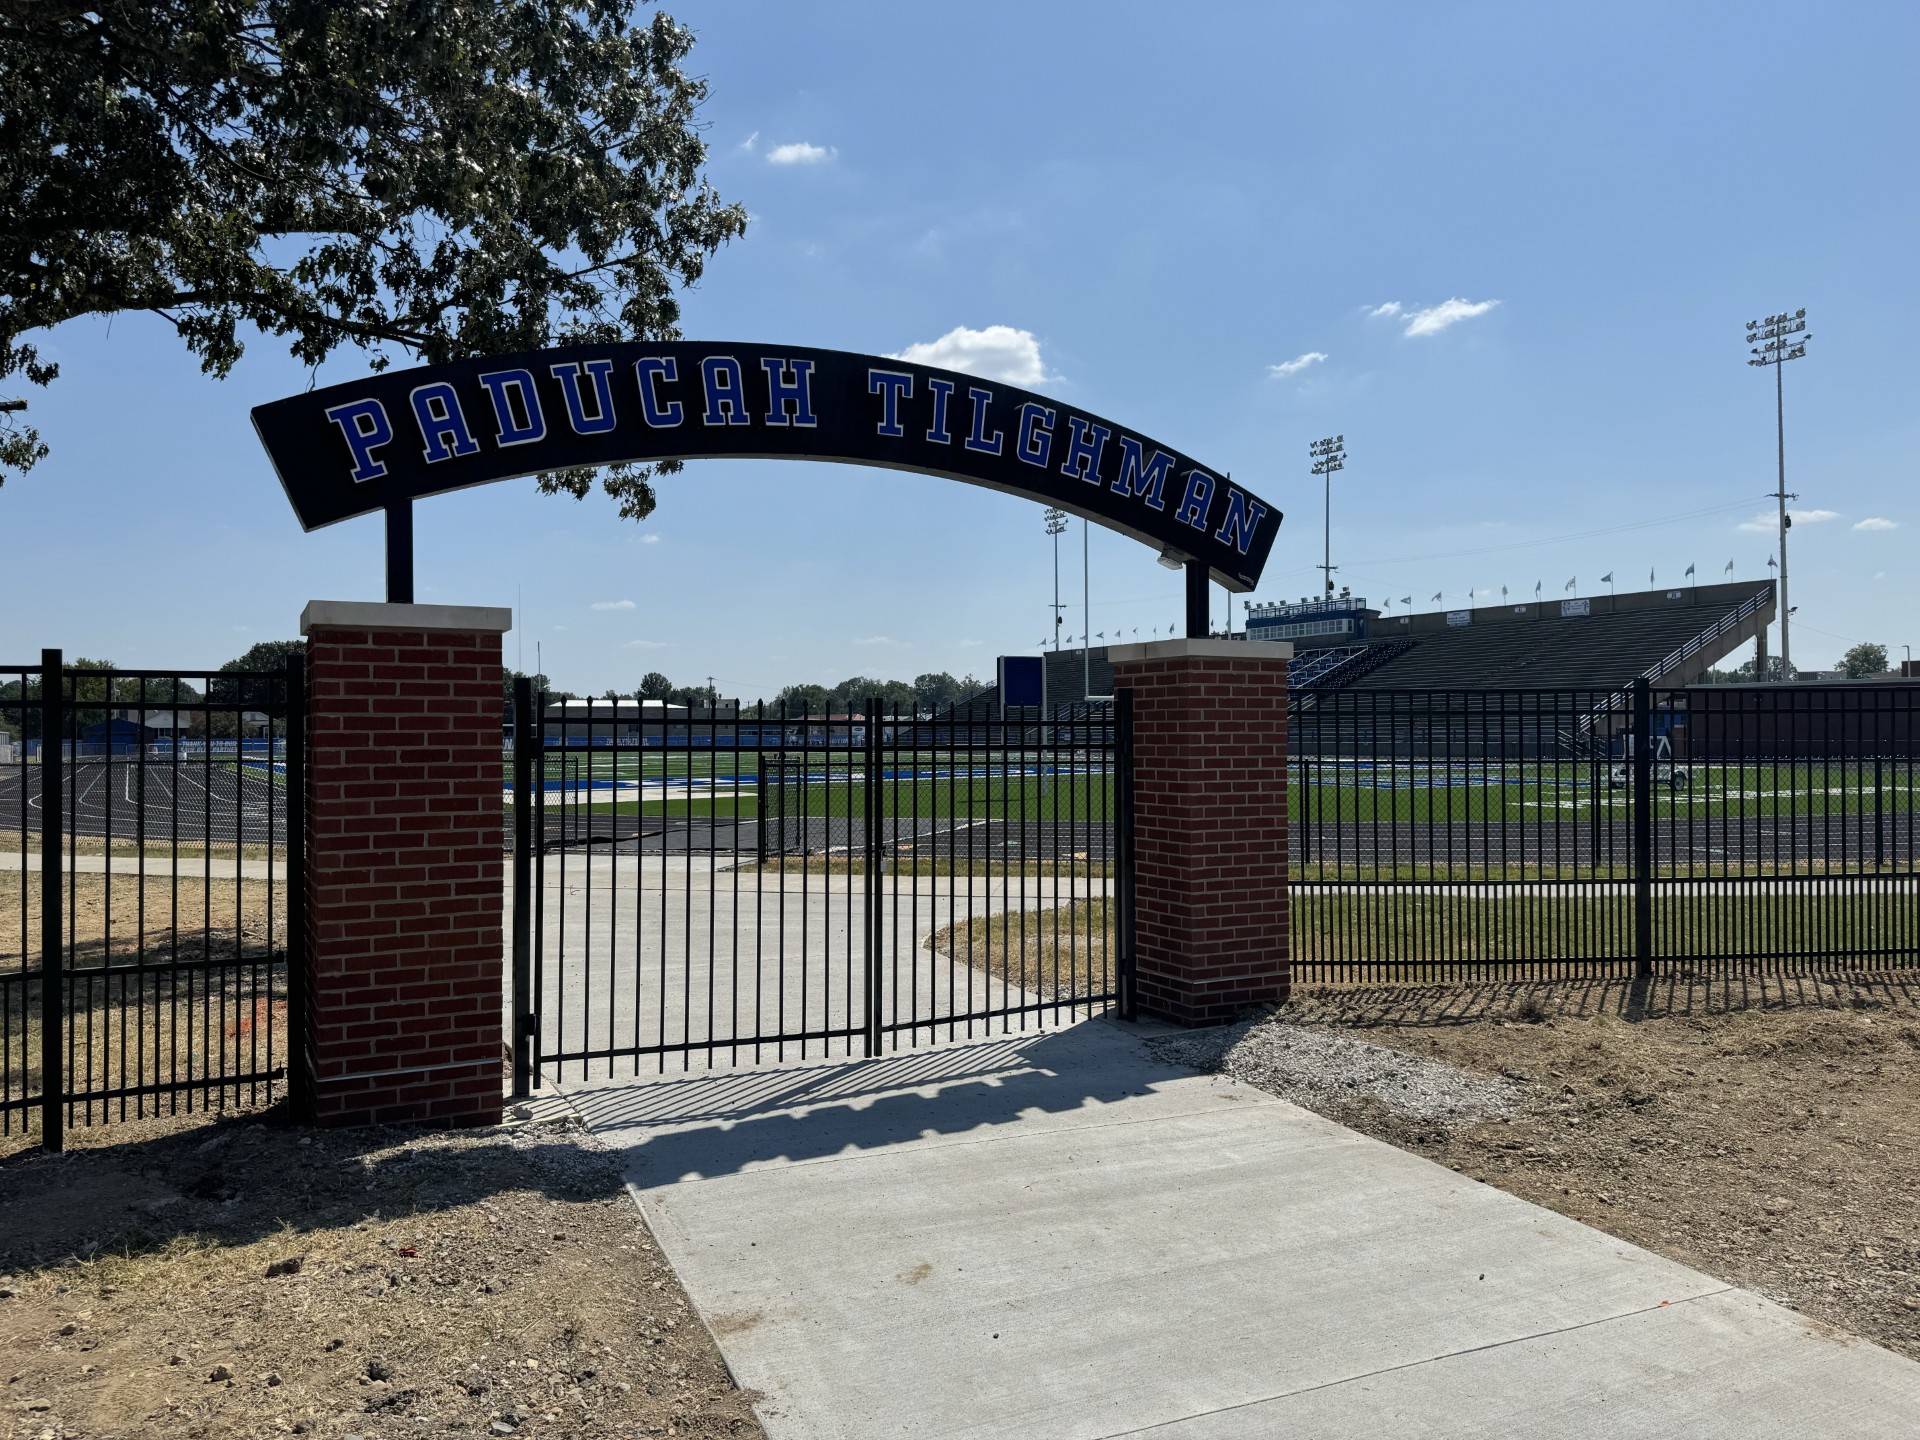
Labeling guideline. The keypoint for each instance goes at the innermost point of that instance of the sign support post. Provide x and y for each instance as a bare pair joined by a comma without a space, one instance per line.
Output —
400,552
1199,621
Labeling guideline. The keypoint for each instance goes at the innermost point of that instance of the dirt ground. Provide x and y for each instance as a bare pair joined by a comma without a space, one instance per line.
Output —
245,1278
1763,1131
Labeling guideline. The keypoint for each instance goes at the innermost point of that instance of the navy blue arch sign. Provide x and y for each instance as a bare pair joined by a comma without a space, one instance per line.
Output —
358,448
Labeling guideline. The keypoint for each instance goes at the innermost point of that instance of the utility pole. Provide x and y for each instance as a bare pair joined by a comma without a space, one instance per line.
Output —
1328,455
1772,342
1056,522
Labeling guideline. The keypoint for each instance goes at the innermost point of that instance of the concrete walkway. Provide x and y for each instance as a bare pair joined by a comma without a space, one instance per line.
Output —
1053,1236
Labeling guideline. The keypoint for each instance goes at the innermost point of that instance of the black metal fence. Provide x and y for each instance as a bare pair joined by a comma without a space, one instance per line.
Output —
768,885
150,829
1534,834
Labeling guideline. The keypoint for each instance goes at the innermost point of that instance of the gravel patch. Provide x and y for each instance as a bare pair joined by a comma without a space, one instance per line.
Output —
1324,1070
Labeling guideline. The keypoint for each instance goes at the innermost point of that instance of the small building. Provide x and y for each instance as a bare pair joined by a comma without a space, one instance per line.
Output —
117,736
1331,621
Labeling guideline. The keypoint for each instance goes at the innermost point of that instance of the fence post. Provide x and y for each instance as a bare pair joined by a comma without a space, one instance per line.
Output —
526,729
1123,851
299,1013
1642,772
1879,809
53,968
871,813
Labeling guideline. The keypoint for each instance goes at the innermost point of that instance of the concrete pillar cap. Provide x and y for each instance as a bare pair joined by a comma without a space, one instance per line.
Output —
1257,651
377,615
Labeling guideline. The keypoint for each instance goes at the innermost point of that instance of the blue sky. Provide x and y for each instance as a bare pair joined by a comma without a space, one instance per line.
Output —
1507,250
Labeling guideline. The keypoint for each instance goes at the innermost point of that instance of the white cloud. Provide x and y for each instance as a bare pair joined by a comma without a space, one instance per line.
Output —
751,141
1383,312
998,352
971,644
651,538
1295,365
886,640
647,645
1436,318
1768,521
1876,522
799,152
614,605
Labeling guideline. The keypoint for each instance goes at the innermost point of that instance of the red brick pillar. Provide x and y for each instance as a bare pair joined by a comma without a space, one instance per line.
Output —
1210,825
403,862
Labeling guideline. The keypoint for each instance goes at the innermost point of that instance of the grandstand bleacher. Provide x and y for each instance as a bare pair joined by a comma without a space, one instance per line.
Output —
1590,642
1598,642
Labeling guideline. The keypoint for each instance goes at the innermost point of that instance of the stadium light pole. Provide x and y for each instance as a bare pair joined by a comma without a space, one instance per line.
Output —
1328,455
1086,610
1056,522
1773,341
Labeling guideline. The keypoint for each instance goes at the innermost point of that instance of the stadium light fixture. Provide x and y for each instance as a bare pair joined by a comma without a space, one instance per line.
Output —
1774,341
1056,523
1328,455
1172,559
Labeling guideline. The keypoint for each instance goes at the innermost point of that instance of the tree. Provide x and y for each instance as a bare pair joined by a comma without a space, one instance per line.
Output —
267,655
541,685
1864,660
804,699
437,178
935,692
653,686
1775,670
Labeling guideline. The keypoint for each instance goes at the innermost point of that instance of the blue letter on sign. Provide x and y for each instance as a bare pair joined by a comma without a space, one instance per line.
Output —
437,409
726,392
891,386
660,417
942,392
602,419
1198,499
365,424
782,393
512,431
1138,477
1085,443
1035,444
1243,519
979,440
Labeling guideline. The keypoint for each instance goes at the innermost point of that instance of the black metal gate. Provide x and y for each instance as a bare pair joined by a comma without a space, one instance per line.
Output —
1522,835
150,863
719,889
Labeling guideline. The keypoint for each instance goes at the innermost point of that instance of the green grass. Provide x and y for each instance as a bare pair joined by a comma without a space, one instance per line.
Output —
1410,929
1411,939
1537,794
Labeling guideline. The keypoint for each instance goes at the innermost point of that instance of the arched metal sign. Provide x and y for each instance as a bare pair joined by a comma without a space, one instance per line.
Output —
383,441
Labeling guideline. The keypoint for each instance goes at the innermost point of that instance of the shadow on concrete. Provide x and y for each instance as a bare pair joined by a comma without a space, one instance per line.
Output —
702,1126
1658,997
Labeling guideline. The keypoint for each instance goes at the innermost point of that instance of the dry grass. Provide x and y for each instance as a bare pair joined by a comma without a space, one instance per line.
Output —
116,919
185,852
1059,953
173,981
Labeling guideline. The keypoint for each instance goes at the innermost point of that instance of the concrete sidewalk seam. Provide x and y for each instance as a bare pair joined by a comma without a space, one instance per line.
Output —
1435,1359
